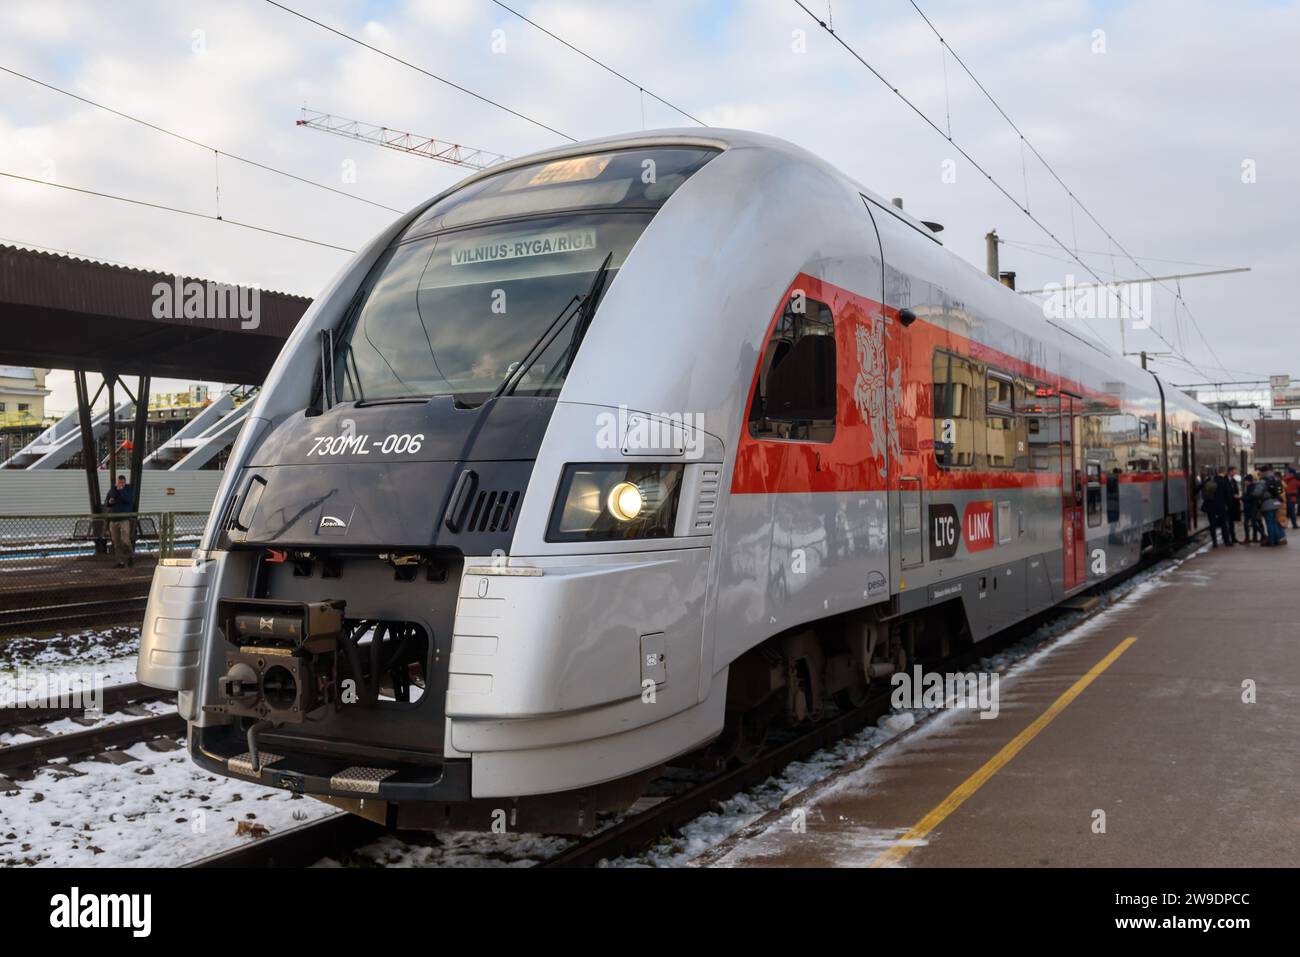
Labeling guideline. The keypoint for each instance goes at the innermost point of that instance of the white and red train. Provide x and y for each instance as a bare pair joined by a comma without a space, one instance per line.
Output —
632,447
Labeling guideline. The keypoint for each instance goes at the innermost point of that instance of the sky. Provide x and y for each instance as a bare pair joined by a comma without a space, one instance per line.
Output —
1173,122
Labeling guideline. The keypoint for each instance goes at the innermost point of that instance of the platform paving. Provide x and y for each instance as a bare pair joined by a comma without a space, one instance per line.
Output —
1135,741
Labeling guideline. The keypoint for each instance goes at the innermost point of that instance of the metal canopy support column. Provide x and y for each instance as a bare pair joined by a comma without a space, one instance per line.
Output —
89,459
137,446
111,379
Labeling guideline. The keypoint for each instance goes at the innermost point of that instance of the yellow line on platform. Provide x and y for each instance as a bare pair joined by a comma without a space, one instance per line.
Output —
994,764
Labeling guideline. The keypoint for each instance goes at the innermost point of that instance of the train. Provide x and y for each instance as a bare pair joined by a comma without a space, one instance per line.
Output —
639,448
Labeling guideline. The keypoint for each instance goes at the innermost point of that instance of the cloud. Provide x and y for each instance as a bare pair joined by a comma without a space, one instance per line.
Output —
1151,134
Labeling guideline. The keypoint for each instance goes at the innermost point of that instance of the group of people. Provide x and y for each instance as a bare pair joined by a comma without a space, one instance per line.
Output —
1258,501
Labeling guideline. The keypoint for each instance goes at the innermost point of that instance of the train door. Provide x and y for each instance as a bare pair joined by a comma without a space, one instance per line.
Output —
902,500
909,495
1187,478
1193,506
1074,547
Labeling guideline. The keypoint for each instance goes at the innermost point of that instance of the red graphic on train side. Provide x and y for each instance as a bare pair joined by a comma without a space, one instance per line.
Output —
977,526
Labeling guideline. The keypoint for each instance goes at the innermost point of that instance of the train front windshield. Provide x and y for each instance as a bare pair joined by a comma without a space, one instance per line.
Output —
489,285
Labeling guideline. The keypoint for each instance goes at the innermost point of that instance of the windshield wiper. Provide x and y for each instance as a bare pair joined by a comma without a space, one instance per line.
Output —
587,312
586,308
327,396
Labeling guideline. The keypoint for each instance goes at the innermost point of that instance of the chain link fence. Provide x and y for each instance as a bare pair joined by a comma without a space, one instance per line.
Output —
63,571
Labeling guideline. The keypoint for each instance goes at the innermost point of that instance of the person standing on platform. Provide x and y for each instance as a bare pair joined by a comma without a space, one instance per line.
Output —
1214,491
1274,494
1234,503
1252,524
1223,505
120,500
1292,483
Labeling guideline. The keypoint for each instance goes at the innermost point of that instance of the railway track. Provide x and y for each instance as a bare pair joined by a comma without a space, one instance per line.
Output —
342,834
127,609
77,744
26,755
116,697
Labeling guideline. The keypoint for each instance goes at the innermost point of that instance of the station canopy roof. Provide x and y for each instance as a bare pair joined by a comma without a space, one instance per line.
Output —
60,312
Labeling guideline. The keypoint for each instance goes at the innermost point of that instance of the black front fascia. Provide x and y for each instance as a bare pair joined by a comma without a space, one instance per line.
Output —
381,476
414,777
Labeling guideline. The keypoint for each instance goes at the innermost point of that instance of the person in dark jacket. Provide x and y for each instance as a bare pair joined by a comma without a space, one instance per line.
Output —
1214,502
1234,502
120,500
1274,502
1252,492
1292,483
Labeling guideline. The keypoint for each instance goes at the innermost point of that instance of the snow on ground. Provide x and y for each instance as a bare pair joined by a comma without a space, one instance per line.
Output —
68,726
86,646
457,849
161,810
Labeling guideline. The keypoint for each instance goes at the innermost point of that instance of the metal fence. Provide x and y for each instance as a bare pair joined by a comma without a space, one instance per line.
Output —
59,572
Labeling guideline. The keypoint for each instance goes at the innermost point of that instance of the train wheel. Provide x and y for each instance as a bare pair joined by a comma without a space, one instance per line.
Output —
848,699
754,728
743,737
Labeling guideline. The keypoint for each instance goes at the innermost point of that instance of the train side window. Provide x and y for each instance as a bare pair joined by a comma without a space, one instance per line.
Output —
1042,426
999,394
1144,450
794,397
1112,496
958,411
1005,442
1094,494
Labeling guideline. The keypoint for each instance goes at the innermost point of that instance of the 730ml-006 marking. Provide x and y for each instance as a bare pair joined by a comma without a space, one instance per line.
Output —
361,444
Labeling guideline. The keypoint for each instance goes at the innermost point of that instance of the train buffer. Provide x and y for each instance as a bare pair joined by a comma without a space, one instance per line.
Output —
1160,733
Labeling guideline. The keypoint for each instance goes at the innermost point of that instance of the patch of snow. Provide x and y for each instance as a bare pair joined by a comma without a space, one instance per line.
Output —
458,849
87,646
161,810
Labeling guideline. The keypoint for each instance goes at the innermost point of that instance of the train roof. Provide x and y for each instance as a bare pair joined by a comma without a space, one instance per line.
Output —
981,290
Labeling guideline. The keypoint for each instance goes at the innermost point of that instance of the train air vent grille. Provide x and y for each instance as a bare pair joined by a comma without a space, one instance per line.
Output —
706,501
494,511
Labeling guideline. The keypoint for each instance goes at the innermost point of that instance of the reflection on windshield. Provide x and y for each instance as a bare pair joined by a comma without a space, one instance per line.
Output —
455,309
455,314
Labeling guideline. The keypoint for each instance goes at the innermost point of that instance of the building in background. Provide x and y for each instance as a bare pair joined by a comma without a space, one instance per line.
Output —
22,407
1277,442
22,396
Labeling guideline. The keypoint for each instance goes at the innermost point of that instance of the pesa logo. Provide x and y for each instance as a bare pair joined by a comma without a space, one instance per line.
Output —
977,526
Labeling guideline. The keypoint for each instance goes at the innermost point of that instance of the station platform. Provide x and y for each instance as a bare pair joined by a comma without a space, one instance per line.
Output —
1139,721
69,591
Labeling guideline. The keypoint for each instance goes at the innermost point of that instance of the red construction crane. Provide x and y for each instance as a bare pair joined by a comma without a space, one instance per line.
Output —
425,146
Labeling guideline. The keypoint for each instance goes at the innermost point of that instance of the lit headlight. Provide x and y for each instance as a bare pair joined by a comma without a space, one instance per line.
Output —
625,501
601,502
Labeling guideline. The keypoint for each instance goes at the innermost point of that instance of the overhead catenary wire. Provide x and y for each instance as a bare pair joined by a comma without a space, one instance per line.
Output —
420,69
1024,247
1097,252
957,146
604,66
175,209
1048,166
193,142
